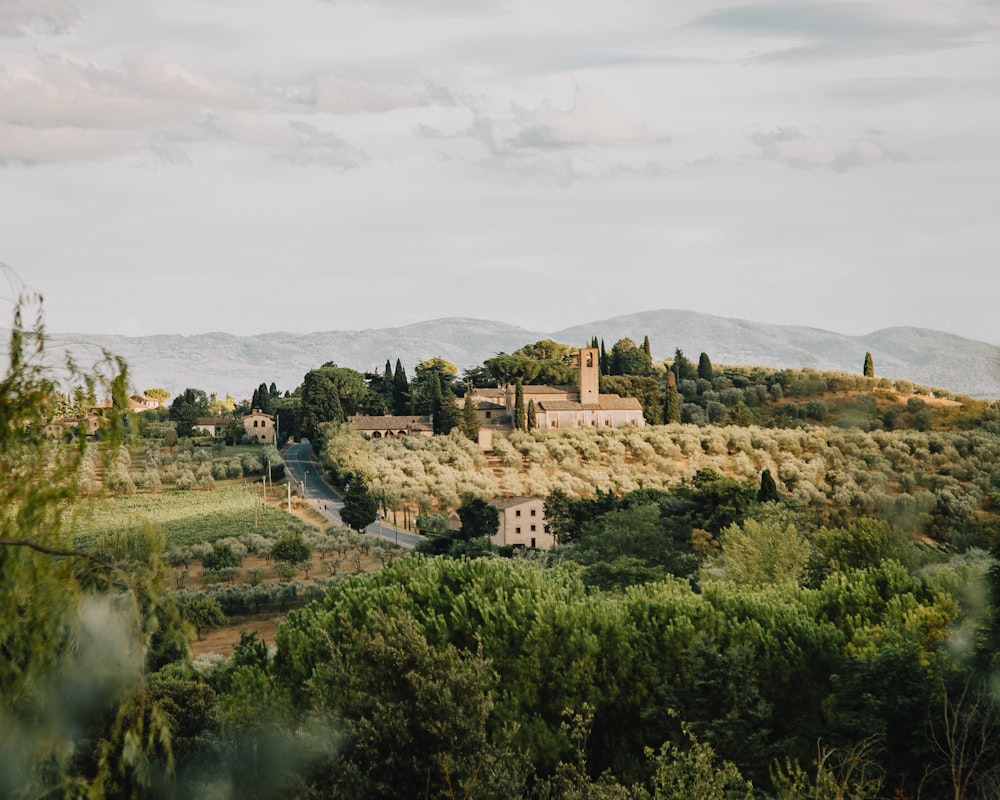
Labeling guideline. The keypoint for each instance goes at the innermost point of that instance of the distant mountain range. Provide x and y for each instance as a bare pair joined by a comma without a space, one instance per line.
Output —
222,363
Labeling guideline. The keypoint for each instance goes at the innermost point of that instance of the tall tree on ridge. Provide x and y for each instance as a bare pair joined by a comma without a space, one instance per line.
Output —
705,371
520,419
470,419
682,368
869,366
671,401
400,390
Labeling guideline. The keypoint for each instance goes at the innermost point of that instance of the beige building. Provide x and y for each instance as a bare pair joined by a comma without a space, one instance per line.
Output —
521,523
581,406
142,402
390,426
90,424
260,427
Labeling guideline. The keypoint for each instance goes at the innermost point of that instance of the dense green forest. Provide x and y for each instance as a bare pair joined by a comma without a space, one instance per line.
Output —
748,610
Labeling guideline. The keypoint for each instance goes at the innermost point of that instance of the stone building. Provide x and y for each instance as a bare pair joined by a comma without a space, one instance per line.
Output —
562,406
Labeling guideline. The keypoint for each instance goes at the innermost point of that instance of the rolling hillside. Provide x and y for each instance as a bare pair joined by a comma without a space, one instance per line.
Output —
224,363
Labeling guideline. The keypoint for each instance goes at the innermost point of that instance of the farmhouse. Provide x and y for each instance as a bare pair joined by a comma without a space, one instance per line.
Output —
521,523
260,427
562,406
391,426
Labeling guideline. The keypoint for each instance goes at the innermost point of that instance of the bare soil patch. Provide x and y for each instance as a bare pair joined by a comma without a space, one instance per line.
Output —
224,640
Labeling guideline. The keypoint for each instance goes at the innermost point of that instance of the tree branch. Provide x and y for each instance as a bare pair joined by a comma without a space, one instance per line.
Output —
51,551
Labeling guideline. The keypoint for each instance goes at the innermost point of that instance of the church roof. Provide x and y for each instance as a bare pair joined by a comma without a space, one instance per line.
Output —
607,402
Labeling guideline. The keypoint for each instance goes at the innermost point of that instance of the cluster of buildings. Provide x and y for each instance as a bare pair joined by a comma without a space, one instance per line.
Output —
259,428
556,407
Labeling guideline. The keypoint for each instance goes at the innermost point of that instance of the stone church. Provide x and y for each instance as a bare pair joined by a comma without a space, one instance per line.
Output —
562,406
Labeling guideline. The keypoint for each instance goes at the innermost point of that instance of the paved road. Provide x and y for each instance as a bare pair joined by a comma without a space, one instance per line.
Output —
308,476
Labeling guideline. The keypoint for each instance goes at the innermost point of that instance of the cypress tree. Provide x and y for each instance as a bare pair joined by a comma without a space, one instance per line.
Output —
532,416
605,361
520,420
450,415
705,370
646,349
387,384
869,366
470,419
437,417
768,491
400,391
263,399
672,401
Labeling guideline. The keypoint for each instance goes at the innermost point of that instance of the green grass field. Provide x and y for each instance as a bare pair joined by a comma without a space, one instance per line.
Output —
186,517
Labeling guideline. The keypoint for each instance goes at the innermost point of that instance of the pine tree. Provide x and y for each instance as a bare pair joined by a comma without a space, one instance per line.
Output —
470,419
869,366
672,401
360,507
520,420
705,371
532,416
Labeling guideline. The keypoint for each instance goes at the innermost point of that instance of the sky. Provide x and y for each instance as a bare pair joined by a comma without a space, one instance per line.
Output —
249,167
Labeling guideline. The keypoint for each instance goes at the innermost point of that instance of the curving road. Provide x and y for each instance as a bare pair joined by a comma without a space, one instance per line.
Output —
308,476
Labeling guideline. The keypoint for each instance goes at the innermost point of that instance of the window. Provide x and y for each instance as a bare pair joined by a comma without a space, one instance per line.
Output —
255,423
532,528
517,530
532,541
489,414
517,513
534,511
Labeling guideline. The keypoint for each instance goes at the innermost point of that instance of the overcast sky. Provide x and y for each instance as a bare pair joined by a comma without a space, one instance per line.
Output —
247,166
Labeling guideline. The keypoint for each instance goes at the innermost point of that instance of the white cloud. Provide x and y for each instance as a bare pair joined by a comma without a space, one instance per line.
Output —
590,121
588,140
47,17
790,146
342,96
313,145
19,143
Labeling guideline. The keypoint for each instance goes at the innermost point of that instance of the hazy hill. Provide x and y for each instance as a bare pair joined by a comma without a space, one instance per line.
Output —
224,363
